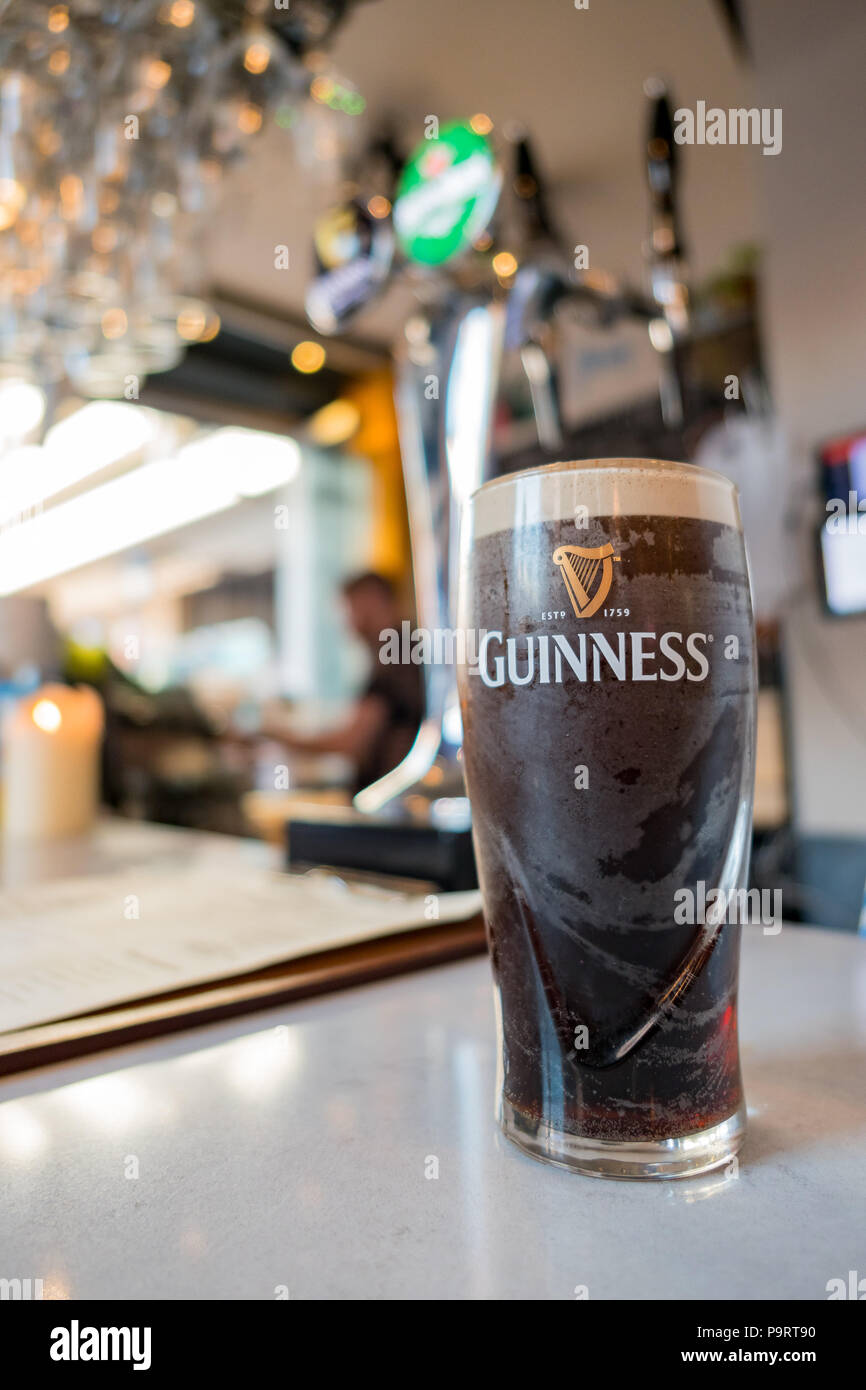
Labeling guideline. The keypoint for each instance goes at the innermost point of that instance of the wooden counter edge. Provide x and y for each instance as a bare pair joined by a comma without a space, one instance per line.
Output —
303,978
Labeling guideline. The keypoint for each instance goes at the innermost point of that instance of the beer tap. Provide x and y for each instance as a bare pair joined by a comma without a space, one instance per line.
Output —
536,289
447,365
665,250
539,293
547,281
447,369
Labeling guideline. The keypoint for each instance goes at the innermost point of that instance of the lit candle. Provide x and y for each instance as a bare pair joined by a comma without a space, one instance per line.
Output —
50,764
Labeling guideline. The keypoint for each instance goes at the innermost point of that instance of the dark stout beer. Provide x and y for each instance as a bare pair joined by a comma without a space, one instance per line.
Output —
608,735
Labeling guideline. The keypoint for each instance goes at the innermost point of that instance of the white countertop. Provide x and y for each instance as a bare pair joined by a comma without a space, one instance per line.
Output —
289,1148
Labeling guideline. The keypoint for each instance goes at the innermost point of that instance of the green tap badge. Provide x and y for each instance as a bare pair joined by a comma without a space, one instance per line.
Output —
446,196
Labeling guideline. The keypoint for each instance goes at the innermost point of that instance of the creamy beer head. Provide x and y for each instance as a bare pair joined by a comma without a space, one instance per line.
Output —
604,487
608,735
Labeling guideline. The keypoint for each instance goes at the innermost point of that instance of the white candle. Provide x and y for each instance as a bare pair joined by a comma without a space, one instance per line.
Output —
50,766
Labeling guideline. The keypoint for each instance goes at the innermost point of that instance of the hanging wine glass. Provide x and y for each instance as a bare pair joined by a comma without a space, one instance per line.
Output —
254,74
117,118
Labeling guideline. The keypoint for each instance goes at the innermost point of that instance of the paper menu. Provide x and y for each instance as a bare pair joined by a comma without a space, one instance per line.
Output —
80,945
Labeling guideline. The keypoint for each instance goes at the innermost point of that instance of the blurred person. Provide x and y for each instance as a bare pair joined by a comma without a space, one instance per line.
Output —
381,728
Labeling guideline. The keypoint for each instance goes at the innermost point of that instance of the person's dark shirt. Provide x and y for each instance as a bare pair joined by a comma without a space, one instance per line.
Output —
401,689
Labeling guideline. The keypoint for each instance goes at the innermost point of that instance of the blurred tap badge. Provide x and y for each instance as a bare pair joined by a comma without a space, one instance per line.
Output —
608,750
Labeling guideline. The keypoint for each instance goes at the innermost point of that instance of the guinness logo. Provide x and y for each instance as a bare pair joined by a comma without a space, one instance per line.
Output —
588,572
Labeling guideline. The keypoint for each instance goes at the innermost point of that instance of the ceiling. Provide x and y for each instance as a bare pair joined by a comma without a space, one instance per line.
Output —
573,77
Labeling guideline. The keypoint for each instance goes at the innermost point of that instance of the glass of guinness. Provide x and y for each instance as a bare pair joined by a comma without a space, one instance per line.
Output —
608,739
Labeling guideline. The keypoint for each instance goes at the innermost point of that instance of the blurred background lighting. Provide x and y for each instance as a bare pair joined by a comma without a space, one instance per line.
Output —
100,434
660,335
505,264
256,58
335,423
22,1136
308,357
182,13
46,716
207,476
22,407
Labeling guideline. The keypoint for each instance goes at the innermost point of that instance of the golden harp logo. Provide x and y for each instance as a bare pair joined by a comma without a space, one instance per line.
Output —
588,572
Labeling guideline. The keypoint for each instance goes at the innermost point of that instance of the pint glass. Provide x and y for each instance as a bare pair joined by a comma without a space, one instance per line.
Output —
608,711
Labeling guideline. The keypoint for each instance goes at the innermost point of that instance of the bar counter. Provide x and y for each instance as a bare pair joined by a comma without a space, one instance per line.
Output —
345,1147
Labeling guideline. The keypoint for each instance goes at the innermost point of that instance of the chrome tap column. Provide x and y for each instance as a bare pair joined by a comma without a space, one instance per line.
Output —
447,369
